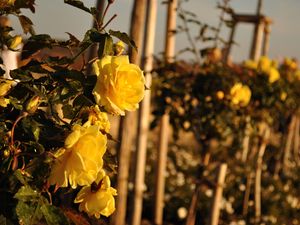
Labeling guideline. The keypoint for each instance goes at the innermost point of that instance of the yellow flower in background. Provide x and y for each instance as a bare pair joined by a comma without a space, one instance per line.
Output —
264,63
290,63
273,75
80,160
5,86
120,84
97,199
240,94
250,64
220,95
283,96
297,74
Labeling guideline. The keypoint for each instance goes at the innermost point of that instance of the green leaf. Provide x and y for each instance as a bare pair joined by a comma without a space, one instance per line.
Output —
5,221
54,215
26,24
36,43
78,4
106,47
68,111
18,174
22,75
123,37
29,214
26,193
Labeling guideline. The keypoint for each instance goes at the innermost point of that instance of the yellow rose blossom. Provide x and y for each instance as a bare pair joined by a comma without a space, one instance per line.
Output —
97,199
264,63
273,75
5,86
240,94
250,64
120,84
80,160
290,63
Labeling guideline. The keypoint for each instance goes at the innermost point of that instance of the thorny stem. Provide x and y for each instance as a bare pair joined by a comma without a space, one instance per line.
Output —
220,22
190,39
108,22
104,14
23,115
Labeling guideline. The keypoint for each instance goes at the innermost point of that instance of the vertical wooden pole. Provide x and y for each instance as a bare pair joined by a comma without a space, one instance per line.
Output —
170,28
127,124
246,142
258,172
247,193
144,113
215,213
160,171
191,217
257,43
257,34
164,123
296,140
288,143
266,44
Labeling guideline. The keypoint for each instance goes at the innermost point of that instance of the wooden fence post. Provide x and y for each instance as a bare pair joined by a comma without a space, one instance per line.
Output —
191,217
164,123
127,127
257,39
258,172
215,213
144,113
288,143
296,140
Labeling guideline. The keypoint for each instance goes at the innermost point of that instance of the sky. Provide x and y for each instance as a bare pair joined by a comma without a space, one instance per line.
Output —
56,18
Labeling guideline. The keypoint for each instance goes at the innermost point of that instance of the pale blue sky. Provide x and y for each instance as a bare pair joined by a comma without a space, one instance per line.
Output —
56,18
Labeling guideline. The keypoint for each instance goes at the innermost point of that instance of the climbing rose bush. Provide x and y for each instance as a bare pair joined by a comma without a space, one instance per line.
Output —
120,84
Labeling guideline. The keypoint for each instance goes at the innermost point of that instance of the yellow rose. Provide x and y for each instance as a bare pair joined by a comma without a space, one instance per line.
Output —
240,94
264,63
273,75
250,64
5,86
97,199
99,118
120,84
80,160
290,64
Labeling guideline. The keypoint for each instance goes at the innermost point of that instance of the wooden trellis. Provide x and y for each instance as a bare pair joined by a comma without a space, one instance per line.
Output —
261,35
